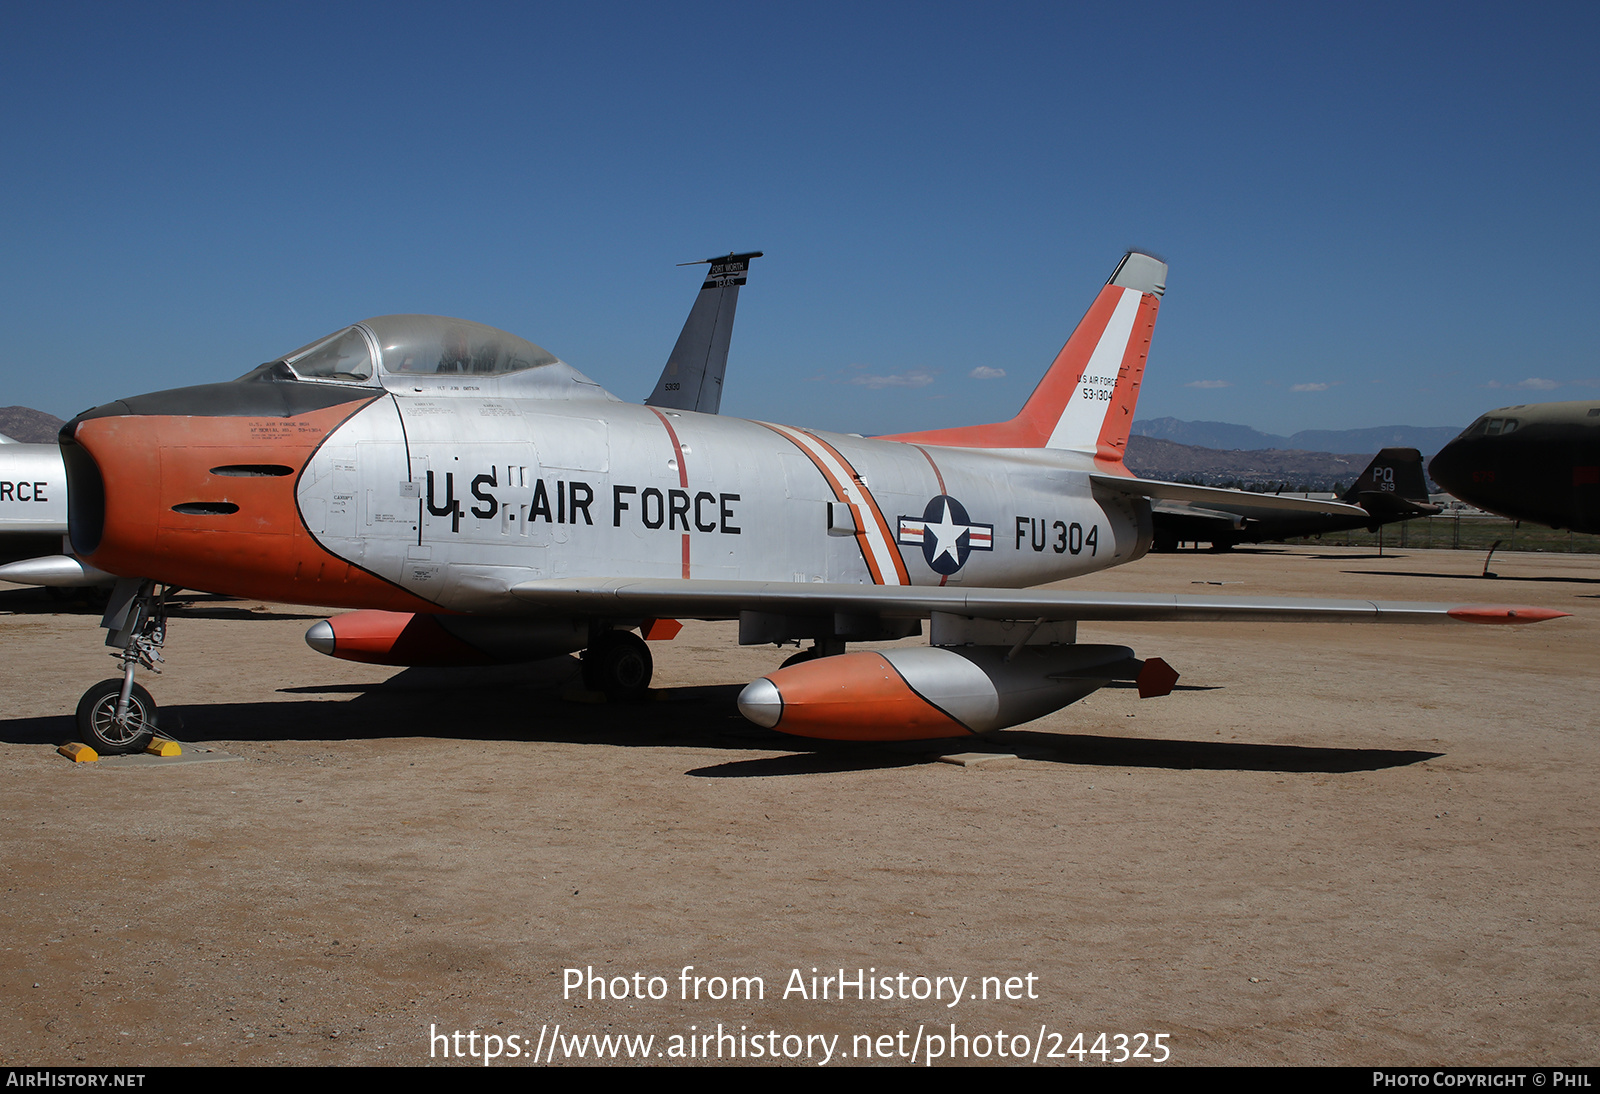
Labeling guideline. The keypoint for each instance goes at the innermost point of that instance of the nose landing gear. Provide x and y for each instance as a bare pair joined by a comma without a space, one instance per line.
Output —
117,715
107,732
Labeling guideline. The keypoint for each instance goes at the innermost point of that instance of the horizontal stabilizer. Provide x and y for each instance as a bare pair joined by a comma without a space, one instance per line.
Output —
1392,507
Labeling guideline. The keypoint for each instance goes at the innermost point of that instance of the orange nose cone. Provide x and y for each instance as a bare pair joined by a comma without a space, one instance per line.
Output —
848,697
208,503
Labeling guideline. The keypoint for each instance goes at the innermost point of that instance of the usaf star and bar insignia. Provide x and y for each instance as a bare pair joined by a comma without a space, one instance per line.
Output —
946,535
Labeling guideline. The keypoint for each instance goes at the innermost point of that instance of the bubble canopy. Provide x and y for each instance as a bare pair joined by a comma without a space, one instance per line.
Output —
414,345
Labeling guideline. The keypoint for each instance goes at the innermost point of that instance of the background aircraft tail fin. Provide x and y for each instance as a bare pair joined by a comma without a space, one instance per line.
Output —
692,379
1392,485
1086,400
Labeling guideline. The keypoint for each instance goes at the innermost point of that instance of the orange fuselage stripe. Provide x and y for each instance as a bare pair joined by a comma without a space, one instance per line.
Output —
875,566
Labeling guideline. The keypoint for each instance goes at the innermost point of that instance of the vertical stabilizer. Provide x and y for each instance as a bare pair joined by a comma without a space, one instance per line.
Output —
1392,487
1394,471
1085,401
692,379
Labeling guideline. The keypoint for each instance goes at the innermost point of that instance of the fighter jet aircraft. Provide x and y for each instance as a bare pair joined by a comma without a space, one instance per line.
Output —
1537,462
477,499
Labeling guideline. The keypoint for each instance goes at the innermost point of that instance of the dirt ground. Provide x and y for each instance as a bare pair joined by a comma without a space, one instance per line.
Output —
1332,844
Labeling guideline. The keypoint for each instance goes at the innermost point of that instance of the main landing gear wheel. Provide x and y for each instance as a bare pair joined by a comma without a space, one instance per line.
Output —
620,665
802,657
97,719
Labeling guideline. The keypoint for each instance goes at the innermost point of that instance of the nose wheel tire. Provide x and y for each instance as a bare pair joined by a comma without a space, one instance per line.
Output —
97,719
619,665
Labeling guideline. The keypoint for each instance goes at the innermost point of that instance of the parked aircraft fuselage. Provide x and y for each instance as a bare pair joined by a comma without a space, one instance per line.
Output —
444,499
1538,462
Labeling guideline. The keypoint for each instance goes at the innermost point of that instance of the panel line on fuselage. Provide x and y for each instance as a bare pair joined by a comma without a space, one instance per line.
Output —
939,475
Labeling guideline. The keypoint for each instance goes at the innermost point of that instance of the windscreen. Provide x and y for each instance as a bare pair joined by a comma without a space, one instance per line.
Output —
432,345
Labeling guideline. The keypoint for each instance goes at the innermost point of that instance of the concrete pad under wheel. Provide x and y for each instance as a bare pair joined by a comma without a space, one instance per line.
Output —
192,754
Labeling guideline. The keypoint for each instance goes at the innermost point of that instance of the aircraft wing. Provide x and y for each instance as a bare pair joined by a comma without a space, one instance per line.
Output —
696,599
1244,503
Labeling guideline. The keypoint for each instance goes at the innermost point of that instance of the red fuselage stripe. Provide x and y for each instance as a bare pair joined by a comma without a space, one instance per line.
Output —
683,476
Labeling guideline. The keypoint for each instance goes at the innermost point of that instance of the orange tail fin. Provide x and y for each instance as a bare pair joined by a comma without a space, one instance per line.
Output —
1085,401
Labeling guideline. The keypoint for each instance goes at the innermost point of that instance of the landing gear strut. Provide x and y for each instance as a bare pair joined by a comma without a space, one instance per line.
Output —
619,664
823,647
117,715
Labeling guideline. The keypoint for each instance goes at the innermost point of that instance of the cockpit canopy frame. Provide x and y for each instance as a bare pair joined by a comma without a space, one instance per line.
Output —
412,346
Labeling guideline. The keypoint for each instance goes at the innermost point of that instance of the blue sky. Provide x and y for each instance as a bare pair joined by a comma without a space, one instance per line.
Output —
1374,214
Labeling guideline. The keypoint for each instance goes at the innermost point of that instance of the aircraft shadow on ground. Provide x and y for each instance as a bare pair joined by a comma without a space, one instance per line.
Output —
1478,577
1077,748
92,601
516,705
41,601
1092,751
1390,557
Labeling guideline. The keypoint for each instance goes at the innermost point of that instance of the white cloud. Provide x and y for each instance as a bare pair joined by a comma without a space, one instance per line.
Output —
1310,387
1532,383
984,372
1208,383
914,378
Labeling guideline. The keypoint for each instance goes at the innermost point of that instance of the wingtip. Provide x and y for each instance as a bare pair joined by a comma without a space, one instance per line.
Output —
1483,613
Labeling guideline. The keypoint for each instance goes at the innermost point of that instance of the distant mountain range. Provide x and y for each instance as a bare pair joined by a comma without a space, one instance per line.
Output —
29,426
1225,437
1264,467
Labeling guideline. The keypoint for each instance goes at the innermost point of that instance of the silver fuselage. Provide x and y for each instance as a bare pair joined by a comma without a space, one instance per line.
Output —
457,497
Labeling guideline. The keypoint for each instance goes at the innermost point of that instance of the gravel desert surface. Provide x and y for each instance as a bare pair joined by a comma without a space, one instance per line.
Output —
1333,844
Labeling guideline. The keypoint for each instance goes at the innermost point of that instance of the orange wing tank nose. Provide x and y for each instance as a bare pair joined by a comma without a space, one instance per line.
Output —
919,693
392,638
848,697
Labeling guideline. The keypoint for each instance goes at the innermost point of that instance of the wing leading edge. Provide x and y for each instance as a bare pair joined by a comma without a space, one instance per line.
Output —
696,599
